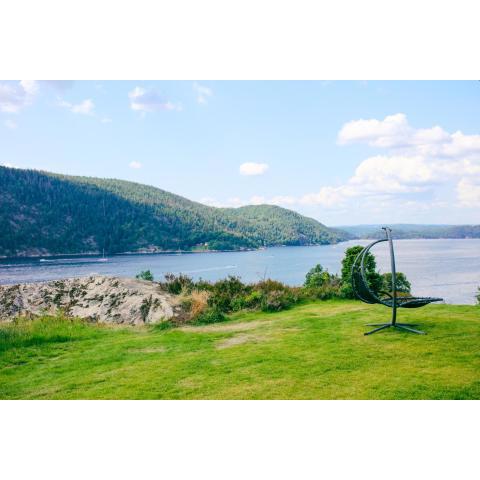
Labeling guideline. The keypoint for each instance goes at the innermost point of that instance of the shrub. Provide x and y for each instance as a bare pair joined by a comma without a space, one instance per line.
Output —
145,275
175,284
199,302
478,296
321,285
402,284
316,277
164,325
253,299
227,294
276,300
325,292
269,285
203,285
211,315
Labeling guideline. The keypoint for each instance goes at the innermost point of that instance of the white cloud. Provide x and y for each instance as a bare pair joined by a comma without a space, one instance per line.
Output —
106,120
135,165
210,201
419,164
393,131
468,193
12,99
30,86
16,96
393,174
203,93
388,132
9,165
257,200
10,124
282,200
326,197
86,107
231,202
143,100
251,168
235,202
419,158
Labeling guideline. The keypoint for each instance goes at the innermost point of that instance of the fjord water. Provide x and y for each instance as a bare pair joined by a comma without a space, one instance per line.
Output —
442,268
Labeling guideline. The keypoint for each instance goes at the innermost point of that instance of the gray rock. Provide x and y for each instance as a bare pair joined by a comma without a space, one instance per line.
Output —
100,299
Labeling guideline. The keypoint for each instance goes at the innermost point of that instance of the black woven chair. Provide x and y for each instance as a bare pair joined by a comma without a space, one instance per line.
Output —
389,299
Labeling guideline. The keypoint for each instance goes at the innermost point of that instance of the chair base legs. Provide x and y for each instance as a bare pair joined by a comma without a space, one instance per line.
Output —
398,323
401,326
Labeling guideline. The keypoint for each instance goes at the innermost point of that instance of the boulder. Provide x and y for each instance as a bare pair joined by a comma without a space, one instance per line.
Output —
99,298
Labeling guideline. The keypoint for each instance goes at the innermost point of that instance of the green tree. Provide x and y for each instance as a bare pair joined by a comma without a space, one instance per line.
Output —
373,277
478,296
145,275
316,277
403,285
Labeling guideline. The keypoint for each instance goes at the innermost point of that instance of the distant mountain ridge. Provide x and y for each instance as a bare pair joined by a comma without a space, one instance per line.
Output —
44,213
405,231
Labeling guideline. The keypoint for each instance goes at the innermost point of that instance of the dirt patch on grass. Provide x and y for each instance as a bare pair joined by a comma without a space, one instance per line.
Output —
148,350
188,383
238,340
318,310
226,327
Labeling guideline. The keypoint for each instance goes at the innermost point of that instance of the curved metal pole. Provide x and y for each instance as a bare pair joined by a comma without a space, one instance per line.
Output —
363,272
388,232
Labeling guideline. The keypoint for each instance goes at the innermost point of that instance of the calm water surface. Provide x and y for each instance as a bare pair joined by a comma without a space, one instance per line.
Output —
445,268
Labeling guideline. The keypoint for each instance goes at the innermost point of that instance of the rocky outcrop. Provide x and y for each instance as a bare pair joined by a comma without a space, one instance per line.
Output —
100,299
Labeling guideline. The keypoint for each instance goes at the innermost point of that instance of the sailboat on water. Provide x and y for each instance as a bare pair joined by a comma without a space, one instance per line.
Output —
103,258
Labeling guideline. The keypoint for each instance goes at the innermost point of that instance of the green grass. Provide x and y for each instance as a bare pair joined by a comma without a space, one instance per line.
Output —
313,351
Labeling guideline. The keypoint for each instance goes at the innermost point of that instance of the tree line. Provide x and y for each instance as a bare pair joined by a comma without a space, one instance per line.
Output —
43,213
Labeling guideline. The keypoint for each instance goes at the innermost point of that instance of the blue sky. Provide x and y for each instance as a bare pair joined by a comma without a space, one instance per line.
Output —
341,152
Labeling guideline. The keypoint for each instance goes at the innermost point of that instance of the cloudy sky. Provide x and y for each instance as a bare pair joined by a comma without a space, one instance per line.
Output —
341,152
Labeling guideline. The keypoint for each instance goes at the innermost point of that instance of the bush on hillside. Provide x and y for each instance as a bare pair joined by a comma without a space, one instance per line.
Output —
317,277
175,284
145,275
321,285
211,315
202,300
277,300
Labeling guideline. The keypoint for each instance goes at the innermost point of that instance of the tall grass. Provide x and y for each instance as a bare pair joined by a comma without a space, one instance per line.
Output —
24,332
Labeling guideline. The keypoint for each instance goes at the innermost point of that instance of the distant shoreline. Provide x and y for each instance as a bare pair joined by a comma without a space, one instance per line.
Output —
163,252
185,252
99,254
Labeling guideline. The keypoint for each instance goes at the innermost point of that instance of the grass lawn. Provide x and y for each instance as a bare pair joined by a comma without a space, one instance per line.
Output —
313,351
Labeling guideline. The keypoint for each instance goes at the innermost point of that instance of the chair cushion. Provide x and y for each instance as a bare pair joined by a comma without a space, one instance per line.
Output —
411,302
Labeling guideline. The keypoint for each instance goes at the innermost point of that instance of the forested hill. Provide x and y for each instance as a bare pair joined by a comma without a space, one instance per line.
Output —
415,231
44,214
